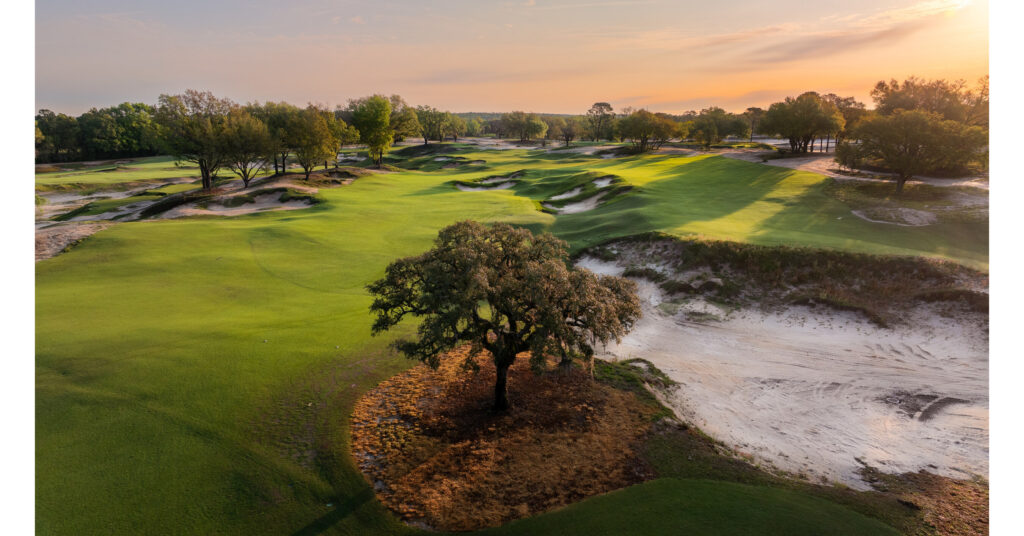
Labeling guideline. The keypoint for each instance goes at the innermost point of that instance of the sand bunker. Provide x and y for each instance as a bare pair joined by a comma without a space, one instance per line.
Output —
603,182
494,180
263,202
502,186
811,391
52,240
589,203
906,217
571,193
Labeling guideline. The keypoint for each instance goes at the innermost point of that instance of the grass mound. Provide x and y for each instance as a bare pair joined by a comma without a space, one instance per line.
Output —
437,455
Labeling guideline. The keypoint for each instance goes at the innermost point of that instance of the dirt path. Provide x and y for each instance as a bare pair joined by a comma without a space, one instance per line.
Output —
824,165
811,391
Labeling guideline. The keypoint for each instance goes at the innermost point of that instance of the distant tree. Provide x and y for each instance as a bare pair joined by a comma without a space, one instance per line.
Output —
60,137
851,110
404,120
247,145
474,127
599,121
505,290
704,131
454,126
373,120
914,142
277,116
311,139
976,101
191,126
100,134
802,120
432,123
727,124
753,115
498,127
555,124
526,126
647,131
571,129
948,99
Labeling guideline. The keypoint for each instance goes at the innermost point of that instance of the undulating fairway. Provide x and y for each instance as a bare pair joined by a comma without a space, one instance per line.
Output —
197,375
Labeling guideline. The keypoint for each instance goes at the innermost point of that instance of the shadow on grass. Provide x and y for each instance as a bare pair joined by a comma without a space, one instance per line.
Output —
342,510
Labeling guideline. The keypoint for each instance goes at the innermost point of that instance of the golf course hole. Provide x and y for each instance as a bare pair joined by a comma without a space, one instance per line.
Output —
437,456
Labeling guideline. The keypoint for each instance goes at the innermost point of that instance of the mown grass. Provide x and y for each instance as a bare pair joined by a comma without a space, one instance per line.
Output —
196,375
131,172
673,506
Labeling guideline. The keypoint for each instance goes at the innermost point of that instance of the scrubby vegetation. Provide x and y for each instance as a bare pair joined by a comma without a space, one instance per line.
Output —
876,286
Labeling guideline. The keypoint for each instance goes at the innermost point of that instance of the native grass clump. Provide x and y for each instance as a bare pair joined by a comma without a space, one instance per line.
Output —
504,290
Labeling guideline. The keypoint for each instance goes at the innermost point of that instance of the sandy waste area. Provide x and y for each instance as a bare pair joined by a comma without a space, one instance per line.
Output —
815,392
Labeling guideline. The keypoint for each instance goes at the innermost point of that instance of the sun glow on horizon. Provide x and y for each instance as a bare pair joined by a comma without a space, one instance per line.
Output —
545,56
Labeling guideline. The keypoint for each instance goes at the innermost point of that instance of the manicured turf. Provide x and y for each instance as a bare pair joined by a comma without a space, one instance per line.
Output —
707,508
111,174
196,376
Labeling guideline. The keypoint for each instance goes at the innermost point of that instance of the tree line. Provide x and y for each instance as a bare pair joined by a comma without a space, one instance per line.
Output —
916,126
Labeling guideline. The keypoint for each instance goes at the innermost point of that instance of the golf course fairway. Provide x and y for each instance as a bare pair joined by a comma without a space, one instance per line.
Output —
197,375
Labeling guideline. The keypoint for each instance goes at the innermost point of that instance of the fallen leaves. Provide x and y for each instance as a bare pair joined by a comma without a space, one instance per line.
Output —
436,455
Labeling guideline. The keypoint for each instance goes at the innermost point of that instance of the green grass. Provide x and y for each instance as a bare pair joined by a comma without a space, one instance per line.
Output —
707,508
197,375
110,175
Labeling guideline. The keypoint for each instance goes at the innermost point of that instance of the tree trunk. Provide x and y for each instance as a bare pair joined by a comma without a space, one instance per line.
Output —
900,181
275,165
284,163
204,170
307,170
501,389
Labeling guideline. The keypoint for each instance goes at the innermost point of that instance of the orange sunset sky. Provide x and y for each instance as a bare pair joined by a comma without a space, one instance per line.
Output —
535,55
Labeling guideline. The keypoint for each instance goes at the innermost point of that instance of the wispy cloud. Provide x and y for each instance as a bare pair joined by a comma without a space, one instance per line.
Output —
582,5
357,20
859,31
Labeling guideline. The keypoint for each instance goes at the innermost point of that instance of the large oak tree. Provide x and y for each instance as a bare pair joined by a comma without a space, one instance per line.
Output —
506,290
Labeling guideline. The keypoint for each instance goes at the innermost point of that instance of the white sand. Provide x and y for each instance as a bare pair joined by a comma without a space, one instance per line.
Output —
571,193
502,186
809,390
905,217
494,180
51,240
589,203
262,203
603,182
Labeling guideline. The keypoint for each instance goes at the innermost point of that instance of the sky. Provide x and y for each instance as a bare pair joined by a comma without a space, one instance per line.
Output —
554,56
